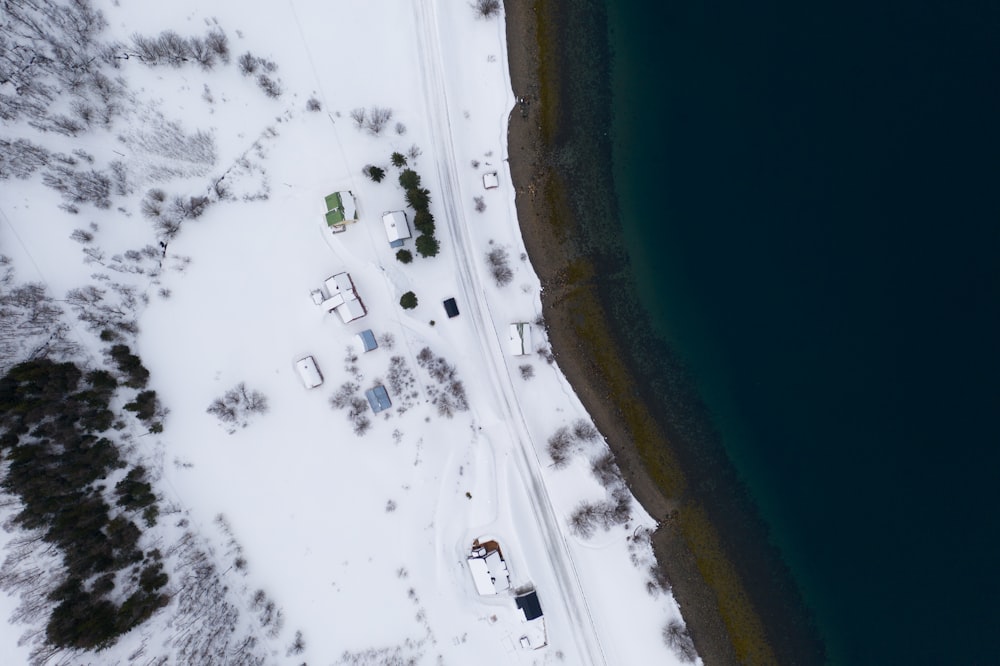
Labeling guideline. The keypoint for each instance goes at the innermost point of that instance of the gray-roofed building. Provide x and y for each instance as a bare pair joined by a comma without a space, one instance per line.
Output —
378,398
367,339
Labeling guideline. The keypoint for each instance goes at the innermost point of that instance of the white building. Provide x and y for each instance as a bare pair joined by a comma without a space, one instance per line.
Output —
341,297
397,229
489,570
308,372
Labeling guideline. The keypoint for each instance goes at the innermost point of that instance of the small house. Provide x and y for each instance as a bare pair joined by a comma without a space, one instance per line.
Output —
451,308
367,340
378,398
519,338
397,229
309,372
340,210
490,180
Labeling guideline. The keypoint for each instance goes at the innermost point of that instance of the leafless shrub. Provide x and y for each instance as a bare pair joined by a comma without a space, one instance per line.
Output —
342,398
358,116
499,263
270,87
480,204
400,129
527,371
475,164
387,341
559,445
589,516
218,43
414,152
606,470
81,236
676,637
298,645
313,104
390,506
585,431
358,416
248,63
378,117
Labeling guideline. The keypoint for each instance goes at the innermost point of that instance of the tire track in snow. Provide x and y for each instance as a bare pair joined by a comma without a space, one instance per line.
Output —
436,98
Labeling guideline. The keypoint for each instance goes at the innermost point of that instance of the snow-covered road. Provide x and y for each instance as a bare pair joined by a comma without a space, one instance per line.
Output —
570,593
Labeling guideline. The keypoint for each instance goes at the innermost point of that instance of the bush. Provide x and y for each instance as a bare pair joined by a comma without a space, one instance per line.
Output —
409,179
404,256
408,301
423,221
374,172
427,246
418,198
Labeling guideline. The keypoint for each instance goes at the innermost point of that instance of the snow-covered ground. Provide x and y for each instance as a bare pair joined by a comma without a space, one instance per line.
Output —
359,539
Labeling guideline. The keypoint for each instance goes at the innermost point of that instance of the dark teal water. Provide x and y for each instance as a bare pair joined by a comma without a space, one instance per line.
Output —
809,195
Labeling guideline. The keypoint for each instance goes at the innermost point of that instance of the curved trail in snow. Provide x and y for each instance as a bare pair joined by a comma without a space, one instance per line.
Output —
571,596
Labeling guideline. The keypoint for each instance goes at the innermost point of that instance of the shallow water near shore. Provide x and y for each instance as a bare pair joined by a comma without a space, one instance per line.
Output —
808,200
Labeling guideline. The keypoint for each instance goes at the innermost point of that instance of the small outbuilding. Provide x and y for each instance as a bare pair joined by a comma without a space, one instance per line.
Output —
397,229
367,340
309,372
378,398
519,338
490,180
451,308
529,606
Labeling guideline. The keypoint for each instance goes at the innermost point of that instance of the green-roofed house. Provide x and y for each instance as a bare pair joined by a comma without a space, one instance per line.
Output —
340,210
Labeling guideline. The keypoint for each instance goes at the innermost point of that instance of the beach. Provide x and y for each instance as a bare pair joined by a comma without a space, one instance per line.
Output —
716,606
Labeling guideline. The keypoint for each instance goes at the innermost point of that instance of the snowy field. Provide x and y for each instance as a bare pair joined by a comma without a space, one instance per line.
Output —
356,528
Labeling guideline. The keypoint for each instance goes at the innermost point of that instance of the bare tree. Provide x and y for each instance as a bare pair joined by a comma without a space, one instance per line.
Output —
676,637
358,116
486,9
378,117
499,263
238,406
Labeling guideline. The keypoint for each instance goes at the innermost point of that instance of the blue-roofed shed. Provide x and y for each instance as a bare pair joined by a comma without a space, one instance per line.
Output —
378,398
367,339
529,605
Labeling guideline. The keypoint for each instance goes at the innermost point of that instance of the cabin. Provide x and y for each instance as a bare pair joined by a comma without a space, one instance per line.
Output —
488,568
529,606
367,340
397,229
519,338
309,372
340,210
378,399
490,180
340,297
451,308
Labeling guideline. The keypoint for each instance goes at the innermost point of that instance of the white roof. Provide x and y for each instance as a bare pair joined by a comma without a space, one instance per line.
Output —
490,180
481,576
351,309
350,208
489,573
333,302
396,227
341,282
520,338
308,372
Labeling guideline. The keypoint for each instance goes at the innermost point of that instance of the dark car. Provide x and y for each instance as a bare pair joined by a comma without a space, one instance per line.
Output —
451,307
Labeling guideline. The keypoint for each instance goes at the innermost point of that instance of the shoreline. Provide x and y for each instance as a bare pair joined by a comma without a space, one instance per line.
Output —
716,608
